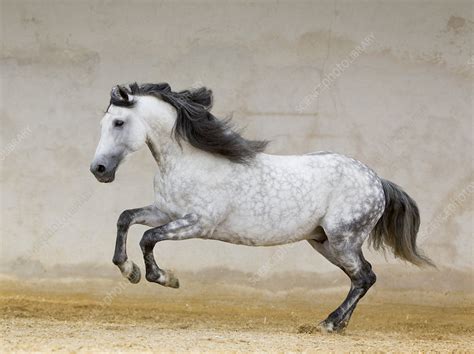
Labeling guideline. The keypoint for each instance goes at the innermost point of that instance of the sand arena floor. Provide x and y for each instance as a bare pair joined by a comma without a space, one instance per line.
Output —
103,314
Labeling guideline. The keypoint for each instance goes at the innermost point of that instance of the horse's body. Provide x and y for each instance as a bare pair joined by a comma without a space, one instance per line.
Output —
217,185
275,200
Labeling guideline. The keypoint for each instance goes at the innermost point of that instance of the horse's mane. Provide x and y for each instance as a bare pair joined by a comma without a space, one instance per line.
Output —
195,123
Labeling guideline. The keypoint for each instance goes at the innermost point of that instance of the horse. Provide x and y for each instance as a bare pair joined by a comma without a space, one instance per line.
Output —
213,184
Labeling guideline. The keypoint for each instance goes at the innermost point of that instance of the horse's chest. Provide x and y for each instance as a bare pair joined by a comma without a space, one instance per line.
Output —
179,193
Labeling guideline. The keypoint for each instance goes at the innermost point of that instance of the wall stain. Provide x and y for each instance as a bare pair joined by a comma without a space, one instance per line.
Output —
456,23
50,55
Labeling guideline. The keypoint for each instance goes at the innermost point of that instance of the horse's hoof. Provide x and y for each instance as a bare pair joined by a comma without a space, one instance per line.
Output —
163,277
329,327
170,280
131,271
135,276
325,327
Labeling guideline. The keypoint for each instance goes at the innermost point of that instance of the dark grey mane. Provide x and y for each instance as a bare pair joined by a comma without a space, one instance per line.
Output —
195,123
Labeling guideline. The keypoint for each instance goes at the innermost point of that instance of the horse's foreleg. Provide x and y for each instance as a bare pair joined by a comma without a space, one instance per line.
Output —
351,260
180,229
149,216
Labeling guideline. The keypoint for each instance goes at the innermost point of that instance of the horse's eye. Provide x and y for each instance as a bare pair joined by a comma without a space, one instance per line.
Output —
118,123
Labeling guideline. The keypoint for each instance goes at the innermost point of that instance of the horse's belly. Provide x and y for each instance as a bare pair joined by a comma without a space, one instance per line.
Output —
280,227
256,235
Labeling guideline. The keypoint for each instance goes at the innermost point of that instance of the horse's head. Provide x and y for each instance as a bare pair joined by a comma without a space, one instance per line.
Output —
154,114
123,131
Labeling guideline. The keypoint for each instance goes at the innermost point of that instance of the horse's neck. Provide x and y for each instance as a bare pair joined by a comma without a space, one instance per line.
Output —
162,146
168,153
171,157
165,151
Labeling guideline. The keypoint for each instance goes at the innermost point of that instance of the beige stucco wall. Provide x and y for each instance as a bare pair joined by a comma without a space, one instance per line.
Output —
403,106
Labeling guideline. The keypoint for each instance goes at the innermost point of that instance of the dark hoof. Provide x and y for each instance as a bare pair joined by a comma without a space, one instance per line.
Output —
173,283
130,271
165,278
135,275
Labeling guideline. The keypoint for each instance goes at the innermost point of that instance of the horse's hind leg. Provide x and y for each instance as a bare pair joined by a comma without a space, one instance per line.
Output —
347,256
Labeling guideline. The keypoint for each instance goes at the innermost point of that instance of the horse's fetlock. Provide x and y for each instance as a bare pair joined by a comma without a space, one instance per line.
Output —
119,259
152,277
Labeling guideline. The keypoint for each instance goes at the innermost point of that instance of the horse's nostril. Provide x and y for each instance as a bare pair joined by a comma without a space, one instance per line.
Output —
101,168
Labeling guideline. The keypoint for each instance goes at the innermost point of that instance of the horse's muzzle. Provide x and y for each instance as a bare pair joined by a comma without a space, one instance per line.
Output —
104,171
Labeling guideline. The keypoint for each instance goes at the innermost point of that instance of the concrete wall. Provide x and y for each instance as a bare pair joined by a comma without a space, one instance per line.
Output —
403,106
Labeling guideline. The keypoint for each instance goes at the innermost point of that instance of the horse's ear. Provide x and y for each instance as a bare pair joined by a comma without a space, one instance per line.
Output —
120,96
123,93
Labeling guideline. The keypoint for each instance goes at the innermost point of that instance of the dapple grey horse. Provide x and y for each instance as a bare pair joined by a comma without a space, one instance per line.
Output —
211,183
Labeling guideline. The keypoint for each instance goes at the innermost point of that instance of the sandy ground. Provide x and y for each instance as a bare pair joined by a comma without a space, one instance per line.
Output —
87,315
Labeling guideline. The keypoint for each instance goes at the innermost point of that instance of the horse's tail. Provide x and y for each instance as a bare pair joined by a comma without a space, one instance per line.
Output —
398,226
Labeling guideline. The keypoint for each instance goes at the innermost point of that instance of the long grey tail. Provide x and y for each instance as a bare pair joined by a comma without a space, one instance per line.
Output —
398,226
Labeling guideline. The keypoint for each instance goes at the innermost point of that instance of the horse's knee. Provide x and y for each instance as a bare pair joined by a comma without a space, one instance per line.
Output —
148,240
125,219
145,241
